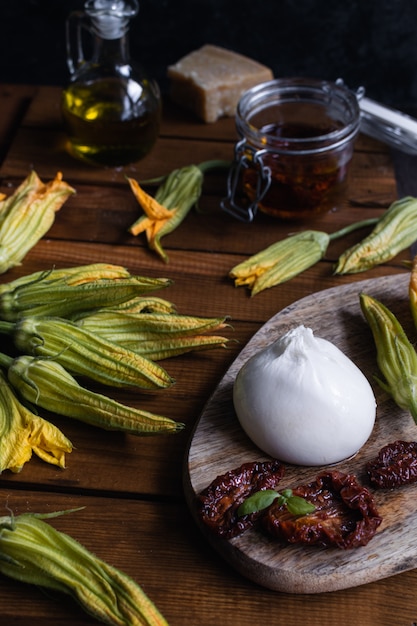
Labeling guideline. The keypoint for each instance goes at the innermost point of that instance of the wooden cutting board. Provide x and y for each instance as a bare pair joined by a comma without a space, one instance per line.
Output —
218,444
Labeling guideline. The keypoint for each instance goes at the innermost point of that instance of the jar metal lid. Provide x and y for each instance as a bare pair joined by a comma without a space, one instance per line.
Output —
260,105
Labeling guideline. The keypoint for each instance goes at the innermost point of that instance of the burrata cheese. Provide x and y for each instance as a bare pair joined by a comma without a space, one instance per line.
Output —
303,401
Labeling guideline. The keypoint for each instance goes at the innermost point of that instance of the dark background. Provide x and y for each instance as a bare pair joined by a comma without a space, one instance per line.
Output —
367,42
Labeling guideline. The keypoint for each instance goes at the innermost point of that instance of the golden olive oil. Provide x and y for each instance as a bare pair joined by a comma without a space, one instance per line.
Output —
109,121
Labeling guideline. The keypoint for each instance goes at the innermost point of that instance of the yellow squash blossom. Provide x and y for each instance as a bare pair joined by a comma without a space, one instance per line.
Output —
63,292
281,261
171,204
287,258
395,231
396,355
22,432
178,193
34,552
46,384
27,215
412,290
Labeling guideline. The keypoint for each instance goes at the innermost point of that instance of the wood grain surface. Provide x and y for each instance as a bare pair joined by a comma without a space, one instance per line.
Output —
219,445
136,516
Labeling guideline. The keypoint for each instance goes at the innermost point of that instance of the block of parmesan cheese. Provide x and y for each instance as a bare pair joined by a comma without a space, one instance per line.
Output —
210,81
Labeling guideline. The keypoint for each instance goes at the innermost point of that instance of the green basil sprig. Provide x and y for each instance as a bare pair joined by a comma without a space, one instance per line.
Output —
263,499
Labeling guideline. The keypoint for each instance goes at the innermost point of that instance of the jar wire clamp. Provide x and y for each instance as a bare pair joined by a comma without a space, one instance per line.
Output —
245,157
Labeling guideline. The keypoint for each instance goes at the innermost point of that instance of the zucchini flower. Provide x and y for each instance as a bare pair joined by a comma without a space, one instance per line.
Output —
64,292
144,323
85,353
32,551
157,349
47,384
22,432
144,304
27,215
155,336
412,290
395,231
178,193
396,356
287,258
3,205
78,275
281,261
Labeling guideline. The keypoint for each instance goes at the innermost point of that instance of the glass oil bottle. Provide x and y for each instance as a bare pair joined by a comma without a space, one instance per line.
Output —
111,110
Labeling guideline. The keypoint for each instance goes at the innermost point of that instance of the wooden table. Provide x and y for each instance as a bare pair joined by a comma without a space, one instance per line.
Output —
135,514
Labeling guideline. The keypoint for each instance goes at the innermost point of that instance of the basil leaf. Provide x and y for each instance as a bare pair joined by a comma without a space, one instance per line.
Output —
299,506
257,502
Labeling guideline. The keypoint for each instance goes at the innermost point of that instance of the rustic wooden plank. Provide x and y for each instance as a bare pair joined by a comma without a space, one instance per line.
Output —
201,285
134,538
104,215
14,102
176,122
44,150
129,471
93,215
104,212
45,112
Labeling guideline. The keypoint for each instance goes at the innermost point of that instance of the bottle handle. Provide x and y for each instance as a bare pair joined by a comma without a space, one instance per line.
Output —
74,25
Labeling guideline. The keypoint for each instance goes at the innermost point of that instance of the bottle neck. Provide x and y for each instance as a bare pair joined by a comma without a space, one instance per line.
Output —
111,52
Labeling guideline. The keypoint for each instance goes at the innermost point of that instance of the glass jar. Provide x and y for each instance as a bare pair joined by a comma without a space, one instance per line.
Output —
111,109
296,140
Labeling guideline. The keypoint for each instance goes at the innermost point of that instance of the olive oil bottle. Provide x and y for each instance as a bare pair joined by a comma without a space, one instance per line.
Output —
111,110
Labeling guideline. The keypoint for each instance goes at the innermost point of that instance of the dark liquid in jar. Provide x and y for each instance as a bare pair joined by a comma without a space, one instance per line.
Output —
100,127
301,185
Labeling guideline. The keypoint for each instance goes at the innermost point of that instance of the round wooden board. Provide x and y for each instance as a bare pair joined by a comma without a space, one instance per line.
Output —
218,444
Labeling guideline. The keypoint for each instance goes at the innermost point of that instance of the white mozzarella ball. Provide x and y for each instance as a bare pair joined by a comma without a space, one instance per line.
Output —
303,401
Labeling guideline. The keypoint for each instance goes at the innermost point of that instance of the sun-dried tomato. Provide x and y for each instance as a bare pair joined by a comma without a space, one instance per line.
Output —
218,503
395,465
346,515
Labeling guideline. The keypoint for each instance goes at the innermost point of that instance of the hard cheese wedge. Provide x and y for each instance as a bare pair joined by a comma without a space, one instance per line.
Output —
210,81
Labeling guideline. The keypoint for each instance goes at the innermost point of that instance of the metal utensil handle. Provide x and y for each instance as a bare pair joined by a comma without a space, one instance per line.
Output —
388,125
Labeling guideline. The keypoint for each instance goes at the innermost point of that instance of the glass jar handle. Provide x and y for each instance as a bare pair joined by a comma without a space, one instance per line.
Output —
242,161
76,22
